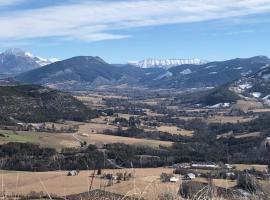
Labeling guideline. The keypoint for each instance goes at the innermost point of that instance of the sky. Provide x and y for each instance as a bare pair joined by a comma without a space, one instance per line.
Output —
129,30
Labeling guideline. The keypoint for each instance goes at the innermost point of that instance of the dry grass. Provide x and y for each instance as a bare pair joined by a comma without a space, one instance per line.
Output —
228,119
242,167
247,105
173,130
57,141
98,125
218,182
100,139
93,101
146,183
261,110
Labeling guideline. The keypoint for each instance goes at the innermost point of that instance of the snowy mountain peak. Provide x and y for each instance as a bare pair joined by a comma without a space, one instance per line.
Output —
15,61
166,63
15,52
27,55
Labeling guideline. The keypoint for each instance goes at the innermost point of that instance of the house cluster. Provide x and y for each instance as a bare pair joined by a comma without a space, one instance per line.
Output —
199,165
117,177
43,127
31,126
189,171
174,178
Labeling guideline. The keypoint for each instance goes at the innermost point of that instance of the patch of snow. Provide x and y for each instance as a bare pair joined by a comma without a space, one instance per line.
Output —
266,76
238,68
246,73
210,66
28,54
186,72
220,105
53,60
256,94
166,75
266,97
265,66
245,86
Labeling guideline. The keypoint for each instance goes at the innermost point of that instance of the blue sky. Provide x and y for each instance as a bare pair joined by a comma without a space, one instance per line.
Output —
129,30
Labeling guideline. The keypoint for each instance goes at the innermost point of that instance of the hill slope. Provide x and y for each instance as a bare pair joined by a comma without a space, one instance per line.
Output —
31,103
81,71
255,86
217,97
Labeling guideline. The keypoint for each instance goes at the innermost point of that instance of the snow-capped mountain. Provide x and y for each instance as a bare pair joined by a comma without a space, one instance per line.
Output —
166,63
15,61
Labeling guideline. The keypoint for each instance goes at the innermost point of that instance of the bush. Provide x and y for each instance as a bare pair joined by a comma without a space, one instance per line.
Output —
248,182
164,177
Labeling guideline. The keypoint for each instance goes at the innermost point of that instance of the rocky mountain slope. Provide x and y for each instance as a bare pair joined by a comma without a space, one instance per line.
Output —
255,86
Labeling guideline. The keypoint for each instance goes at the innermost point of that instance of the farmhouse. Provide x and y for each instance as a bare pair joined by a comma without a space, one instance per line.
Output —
204,165
182,165
189,176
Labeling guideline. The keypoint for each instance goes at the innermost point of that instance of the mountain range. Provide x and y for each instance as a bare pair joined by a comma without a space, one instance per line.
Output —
88,72
166,63
84,72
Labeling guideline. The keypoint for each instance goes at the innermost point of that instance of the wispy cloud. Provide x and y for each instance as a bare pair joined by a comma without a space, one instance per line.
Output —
10,2
99,20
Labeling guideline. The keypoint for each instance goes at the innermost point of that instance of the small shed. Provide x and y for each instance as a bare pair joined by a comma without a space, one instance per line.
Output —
174,179
72,173
189,176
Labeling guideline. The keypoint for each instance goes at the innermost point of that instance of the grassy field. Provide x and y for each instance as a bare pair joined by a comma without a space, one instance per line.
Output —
17,137
174,130
146,183
57,141
61,140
